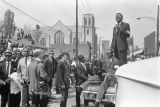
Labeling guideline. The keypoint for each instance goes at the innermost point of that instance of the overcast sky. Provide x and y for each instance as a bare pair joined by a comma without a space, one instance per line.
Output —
50,11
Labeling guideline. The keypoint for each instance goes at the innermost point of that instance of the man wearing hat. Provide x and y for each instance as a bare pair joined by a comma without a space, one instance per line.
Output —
6,68
81,76
21,71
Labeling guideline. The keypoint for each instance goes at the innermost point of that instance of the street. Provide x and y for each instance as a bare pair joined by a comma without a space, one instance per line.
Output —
70,102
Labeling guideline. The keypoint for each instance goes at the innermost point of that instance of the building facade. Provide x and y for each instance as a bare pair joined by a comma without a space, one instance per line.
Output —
149,44
61,34
105,46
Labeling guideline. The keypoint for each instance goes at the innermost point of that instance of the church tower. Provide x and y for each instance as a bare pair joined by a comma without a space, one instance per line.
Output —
89,34
88,24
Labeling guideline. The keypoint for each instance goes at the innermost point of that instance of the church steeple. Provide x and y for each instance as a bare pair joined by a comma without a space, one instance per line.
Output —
88,23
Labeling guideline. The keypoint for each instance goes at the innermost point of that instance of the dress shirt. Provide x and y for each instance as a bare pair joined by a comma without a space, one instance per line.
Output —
83,65
9,67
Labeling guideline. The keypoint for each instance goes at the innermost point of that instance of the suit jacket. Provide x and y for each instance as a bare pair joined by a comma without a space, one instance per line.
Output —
35,73
49,67
4,74
54,66
62,79
16,62
120,37
81,74
22,67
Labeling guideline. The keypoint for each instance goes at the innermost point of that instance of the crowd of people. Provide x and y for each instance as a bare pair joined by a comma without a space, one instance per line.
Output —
26,76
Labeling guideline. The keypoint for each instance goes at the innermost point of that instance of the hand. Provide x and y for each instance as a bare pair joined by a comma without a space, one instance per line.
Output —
63,87
21,81
7,81
2,82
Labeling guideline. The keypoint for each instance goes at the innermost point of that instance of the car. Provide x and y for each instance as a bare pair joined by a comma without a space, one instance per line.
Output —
139,84
90,93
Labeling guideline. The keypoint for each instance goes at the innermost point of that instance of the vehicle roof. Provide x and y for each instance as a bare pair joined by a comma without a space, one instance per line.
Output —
145,71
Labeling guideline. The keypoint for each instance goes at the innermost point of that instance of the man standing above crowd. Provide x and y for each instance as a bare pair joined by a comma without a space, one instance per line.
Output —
63,75
21,72
121,32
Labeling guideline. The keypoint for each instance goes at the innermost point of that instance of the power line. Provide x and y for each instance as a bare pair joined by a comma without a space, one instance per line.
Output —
83,6
80,9
88,6
65,7
25,13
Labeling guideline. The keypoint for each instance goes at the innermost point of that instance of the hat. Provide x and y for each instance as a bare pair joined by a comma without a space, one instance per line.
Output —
8,52
80,57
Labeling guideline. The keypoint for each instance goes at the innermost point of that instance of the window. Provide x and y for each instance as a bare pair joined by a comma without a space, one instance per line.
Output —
74,51
89,22
85,21
87,31
43,41
59,37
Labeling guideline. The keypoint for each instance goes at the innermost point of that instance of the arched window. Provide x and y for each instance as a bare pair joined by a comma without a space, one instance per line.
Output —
59,37
43,41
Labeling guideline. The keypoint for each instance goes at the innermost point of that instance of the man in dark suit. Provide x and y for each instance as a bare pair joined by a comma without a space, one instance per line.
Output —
53,66
6,68
63,78
81,76
121,32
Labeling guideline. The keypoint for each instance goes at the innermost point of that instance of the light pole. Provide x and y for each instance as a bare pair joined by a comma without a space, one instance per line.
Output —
157,35
76,28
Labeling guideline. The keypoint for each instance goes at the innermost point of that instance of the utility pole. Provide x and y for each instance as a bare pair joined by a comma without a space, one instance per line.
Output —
76,28
157,39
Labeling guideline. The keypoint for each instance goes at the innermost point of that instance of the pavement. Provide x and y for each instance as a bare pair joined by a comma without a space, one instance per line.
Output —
71,102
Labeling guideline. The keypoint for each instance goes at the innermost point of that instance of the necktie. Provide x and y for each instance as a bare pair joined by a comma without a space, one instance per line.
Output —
8,68
26,60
